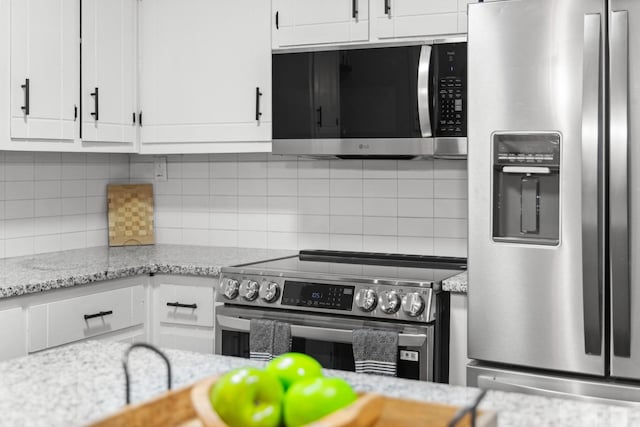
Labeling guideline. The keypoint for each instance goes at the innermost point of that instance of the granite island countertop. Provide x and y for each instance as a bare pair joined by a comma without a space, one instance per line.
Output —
43,272
80,383
456,284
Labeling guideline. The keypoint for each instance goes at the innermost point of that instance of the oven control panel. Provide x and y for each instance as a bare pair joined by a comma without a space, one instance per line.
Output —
401,301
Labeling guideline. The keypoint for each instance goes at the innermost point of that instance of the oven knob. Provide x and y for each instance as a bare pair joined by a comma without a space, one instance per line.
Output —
366,299
413,304
389,302
230,288
269,292
249,290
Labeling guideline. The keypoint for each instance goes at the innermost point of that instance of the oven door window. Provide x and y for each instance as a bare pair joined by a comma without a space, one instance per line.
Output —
330,355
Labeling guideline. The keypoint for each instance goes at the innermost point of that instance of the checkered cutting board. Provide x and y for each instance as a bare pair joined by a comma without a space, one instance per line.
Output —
130,214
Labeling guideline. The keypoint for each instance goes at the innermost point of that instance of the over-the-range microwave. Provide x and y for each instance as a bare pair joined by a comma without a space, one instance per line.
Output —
386,102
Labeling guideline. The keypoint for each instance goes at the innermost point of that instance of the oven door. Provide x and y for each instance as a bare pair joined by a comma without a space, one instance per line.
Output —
327,338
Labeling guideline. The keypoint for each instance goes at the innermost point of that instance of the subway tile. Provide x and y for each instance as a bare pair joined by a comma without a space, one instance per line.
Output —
223,170
415,169
224,187
380,207
197,220
345,169
19,190
19,247
315,169
450,169
314,224
1,210
252,187
416,227
195,170
164,202
253,157
380,187
74,240
252,204
73,223
223,157
346,188
97,205
417,208
97,238
15,209
16,170
14,228
282,223
224,221
174,167
450,228
450,189
450,208
168,219
380,169
450,247
282,204
387,244
277,240
168,236
47,189
47,207
195,237
51,225
282,187
118,170
346,206
280,169
252,222
195,203
73,170
96,222
48,170
314,205
44,244
380,226
99,170
252,239
73,188
74,205
314,187
223,238
415,188
313,241
169,187
345,242
139,170
416,245
224,203
195,187
252,170
346,224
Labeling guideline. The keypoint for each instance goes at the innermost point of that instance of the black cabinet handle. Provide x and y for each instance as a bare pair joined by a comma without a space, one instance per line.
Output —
25,107
319,111
140,118
387,7
354,9
277,20
95,103
258,95
101,314
177,304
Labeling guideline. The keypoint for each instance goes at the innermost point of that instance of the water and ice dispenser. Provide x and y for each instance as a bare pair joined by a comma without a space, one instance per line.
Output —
526,185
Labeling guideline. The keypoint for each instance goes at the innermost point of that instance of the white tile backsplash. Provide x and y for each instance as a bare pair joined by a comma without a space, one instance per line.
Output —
54,201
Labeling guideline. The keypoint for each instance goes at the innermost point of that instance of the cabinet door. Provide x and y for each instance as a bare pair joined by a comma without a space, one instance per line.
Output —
13,334
44,69
108,71
205,75
306,22
415,18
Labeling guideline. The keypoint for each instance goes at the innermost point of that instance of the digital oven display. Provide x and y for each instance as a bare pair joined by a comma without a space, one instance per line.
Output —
317,295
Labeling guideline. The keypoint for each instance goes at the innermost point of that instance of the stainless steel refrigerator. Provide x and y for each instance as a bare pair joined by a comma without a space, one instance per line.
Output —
554,197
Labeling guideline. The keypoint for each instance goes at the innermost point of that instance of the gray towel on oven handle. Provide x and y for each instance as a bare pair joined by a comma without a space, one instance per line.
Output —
268,338
375,352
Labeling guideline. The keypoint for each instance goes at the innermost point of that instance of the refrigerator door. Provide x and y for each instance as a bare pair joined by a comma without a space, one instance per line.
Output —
536,68
565,387
624,187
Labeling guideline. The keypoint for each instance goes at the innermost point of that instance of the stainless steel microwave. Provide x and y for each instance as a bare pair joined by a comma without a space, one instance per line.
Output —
389,102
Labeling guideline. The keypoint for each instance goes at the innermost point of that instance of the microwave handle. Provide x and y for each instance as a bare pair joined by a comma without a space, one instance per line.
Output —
344,336
424,91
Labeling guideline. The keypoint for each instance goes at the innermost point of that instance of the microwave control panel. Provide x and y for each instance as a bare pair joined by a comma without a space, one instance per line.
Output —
450,84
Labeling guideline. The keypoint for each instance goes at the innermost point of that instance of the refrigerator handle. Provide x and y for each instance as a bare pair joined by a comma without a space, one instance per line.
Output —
424,91
618,185
591,203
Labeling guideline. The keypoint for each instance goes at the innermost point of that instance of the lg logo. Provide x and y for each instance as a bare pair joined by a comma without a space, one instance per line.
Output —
363,146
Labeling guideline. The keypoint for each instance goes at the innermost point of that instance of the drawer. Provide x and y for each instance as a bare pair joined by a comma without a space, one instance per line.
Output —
187,305
87,316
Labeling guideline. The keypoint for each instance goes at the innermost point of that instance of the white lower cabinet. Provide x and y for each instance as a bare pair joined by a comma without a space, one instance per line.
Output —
183,312
12,333
458,340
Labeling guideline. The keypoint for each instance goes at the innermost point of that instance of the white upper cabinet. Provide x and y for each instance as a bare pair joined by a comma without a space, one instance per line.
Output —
205,76
309,22
44,69
109,72
397,19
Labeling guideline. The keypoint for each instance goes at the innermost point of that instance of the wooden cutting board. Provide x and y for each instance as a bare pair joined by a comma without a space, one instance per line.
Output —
130,215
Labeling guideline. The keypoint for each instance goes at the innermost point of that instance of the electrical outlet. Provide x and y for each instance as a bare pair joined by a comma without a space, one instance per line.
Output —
160,168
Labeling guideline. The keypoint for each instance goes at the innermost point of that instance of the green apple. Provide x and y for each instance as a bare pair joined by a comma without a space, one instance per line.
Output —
248,397
309,400
293,367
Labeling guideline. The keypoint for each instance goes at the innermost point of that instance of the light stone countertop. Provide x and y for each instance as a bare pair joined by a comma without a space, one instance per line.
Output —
456,284
79,383
43,272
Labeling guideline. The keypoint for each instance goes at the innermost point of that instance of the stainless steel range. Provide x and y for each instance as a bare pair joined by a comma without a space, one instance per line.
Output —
326,295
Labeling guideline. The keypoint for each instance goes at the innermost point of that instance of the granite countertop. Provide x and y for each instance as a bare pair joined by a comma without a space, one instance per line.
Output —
457,283
76,384
43,272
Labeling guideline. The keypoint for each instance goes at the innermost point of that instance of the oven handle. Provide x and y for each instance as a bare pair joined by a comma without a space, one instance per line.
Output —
344,336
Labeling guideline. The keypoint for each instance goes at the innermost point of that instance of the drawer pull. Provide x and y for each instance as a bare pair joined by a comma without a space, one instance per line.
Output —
101,314
177,304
